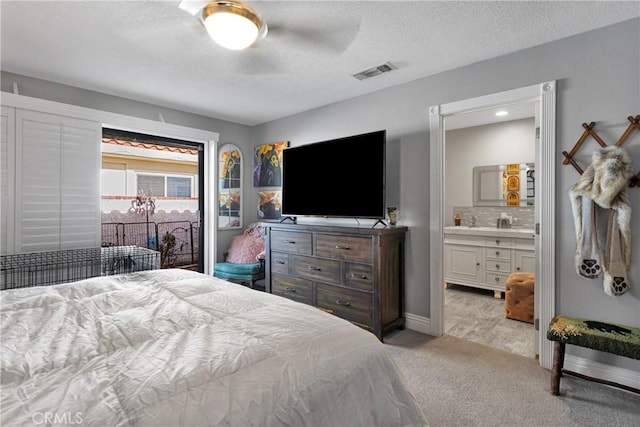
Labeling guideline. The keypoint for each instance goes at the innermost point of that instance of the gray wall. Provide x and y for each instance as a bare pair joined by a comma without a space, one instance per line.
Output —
496,144
597,74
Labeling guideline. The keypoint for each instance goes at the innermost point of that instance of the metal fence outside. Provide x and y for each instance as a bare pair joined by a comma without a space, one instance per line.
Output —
177,241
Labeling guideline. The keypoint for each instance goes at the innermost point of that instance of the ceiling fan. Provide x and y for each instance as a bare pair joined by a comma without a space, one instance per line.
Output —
300,33
230,23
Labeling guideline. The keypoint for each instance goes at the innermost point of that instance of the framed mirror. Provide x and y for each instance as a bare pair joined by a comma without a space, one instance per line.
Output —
504,185
229,187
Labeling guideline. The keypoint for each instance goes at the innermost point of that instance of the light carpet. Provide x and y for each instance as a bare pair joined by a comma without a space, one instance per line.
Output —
462,383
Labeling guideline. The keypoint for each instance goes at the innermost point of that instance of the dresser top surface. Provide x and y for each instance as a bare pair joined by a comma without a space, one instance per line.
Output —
341,229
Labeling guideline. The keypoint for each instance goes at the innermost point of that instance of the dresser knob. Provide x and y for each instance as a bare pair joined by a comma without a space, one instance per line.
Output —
497,242
342,247
497,253
497,279
311,267
359,276
280,262
292,242
288,289
497,266
343,303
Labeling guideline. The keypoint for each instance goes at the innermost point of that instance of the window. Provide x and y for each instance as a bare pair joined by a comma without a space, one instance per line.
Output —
165,186
230,187
178,187
151,185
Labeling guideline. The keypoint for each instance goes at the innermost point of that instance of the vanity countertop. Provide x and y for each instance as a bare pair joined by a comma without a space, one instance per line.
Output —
491,231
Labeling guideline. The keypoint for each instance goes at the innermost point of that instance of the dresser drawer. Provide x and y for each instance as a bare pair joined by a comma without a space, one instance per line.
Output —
497,253
291,287
464,239
499,242
349,304
499,266
320,269
291,241
348,248
279,262
526,244
496,279
359,276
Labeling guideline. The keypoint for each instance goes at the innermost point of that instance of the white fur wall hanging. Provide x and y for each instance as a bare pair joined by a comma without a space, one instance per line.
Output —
603,185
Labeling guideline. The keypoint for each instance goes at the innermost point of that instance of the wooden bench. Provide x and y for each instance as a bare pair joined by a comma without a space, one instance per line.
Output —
615,339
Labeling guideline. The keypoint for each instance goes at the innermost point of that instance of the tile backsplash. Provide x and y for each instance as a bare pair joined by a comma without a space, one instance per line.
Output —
488,216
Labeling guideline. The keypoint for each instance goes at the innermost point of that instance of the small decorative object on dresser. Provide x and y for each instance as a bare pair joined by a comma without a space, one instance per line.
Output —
356,273
393,215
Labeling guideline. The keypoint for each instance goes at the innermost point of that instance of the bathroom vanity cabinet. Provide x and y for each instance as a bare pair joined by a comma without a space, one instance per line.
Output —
483,257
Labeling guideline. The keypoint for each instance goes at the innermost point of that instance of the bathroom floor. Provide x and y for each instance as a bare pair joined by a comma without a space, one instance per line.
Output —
475,315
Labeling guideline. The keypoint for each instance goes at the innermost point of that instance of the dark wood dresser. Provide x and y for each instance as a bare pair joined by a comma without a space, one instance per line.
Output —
356,273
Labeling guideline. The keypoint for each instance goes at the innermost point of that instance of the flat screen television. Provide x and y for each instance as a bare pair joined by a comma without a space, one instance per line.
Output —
342,177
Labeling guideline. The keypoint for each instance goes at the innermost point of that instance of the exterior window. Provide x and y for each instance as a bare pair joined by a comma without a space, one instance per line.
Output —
165,186
178,187
151,184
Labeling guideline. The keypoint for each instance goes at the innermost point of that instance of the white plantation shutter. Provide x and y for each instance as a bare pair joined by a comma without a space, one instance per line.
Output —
7,189
57,177
80,192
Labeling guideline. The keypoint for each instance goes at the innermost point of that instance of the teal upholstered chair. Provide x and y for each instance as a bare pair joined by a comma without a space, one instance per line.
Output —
244,261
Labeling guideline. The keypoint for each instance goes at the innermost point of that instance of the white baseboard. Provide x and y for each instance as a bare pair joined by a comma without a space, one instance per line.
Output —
417,323
602,371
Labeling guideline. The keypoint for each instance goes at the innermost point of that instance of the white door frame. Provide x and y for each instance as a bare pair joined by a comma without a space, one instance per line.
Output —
545,95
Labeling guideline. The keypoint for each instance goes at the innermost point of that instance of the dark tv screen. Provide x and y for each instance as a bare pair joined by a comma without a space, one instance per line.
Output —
342,177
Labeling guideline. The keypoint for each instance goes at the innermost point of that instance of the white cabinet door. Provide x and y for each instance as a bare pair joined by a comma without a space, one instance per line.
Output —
7,178
463,264
524,261
57,202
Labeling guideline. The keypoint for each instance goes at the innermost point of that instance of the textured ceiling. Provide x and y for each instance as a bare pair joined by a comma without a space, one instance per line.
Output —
151,51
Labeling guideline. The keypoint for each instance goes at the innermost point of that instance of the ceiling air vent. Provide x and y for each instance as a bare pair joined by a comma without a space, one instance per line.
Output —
375,71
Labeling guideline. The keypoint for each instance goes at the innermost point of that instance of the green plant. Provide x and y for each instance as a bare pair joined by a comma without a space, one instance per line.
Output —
167,250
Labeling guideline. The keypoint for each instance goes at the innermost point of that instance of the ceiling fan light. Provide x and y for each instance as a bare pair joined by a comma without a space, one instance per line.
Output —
231,24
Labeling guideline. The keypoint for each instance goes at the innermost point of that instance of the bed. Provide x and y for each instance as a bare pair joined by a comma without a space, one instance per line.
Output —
175,347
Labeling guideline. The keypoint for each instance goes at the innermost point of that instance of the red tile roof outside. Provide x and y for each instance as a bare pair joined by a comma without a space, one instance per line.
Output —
149,146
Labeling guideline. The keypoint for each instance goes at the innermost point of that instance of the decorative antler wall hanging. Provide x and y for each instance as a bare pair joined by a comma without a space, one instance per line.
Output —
634,124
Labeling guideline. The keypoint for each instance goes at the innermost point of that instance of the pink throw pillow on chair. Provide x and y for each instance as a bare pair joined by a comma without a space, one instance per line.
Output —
245,249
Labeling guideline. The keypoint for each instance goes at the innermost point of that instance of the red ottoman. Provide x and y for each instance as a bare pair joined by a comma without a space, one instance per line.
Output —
520,296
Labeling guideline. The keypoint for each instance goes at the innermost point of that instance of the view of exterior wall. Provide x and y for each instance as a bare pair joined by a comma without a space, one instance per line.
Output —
169,174
149,198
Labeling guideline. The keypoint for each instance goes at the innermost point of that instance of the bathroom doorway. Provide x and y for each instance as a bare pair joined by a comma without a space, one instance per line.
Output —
544,207
478,147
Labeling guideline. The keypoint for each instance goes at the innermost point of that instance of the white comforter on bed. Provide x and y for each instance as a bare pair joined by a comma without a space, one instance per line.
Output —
174,347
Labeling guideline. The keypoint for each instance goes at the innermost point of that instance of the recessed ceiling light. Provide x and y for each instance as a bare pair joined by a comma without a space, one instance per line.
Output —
502,113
